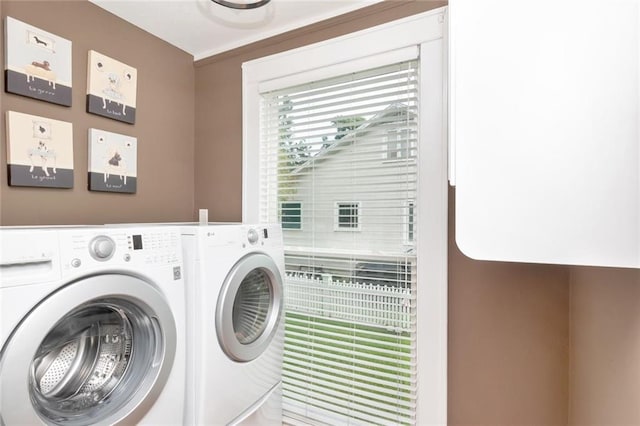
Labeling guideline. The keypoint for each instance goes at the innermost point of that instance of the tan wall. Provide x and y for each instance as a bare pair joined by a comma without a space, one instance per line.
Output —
605,347
508,323
508,340
164,123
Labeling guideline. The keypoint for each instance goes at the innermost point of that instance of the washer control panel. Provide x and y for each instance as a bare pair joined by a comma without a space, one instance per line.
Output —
128,247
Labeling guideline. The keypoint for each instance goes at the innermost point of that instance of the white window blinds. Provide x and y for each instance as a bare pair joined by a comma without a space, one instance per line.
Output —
338,168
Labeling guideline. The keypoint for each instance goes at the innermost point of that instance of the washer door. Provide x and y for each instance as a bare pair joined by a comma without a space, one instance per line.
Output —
249,307
104,361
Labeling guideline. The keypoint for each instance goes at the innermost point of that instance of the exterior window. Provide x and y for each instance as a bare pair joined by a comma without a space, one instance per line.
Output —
342,144
399,146
411,221
291,215
347,216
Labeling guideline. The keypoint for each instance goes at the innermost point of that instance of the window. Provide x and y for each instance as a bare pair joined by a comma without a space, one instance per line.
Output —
291,214
400,145
366,311
325,137
410,218
347,216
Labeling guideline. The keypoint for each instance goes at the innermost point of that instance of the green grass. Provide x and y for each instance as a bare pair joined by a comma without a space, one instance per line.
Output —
388,351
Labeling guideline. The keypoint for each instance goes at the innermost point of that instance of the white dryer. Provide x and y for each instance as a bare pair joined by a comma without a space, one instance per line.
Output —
92,326
235,330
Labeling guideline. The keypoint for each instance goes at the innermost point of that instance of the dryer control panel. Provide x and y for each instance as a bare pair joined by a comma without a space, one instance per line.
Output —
243,236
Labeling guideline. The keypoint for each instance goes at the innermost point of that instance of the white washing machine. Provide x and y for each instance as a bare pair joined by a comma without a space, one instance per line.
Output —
235,331
92,326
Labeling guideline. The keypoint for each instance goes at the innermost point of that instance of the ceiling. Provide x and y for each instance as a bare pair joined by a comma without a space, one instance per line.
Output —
203,28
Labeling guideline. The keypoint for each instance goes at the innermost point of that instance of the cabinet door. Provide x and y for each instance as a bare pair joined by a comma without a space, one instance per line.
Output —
544,127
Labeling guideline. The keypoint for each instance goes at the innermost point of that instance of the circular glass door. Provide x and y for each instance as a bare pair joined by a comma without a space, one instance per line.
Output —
99,361
249,307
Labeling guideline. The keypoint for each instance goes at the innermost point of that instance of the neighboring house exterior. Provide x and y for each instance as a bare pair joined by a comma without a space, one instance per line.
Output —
374,166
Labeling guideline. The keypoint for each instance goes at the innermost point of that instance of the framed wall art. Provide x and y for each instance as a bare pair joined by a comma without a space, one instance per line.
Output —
111,88
39,151
37,63
113,160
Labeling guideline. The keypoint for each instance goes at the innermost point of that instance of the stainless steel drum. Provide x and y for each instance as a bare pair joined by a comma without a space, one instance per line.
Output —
86,356
251,306
83,358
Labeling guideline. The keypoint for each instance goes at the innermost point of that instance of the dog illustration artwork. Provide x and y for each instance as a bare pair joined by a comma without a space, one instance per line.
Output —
38,64
112,162
44,65
115,165
38,41
40,156
39,151
111,91
41,70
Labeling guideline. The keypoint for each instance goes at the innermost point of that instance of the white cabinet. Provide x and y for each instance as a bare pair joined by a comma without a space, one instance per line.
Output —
544,130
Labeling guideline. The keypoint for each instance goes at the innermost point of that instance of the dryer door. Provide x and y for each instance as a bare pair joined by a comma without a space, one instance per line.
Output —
99,350
249,307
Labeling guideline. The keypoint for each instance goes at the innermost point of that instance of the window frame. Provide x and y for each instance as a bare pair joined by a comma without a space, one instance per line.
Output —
281,215
410,222
352,205
402,144
391,42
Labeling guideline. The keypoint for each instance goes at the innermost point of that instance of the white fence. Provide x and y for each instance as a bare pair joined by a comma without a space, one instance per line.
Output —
369,304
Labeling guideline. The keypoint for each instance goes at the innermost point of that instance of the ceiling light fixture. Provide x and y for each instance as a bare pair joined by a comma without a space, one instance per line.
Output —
249,4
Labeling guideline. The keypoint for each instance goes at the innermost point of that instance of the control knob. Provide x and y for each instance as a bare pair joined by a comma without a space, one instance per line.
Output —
252,236
102,248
